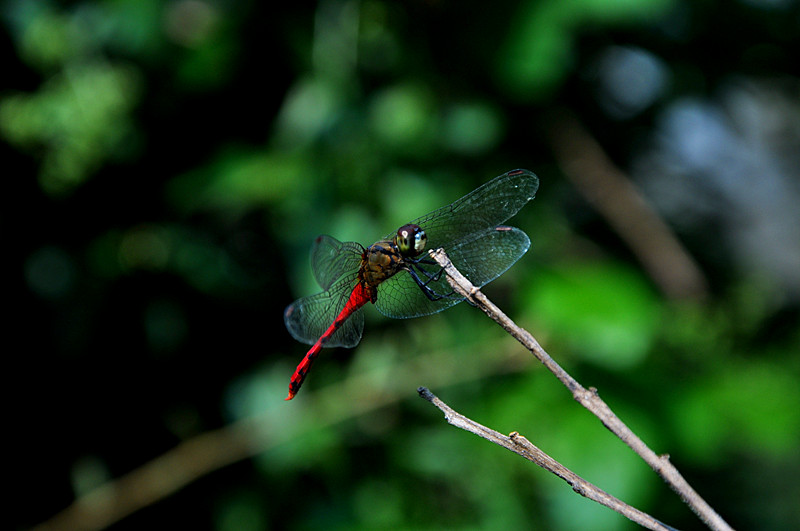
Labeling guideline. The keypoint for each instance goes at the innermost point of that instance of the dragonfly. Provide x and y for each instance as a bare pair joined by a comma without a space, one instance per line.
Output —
399,277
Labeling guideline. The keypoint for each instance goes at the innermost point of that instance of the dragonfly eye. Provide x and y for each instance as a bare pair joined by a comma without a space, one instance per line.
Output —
410,239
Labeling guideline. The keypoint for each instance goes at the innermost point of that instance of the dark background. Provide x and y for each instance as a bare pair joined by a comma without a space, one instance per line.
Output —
168,164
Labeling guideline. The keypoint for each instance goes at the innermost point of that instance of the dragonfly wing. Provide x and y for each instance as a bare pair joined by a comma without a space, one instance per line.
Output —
481,257
331,259
400,297
484,208
307,319
485,255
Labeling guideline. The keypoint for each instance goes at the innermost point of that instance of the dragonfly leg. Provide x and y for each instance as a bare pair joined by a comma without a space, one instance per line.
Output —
423,285
432,295
432,277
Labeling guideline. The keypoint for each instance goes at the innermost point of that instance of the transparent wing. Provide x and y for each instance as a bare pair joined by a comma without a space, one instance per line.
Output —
481,257
307,319
331,259
484,208
468,229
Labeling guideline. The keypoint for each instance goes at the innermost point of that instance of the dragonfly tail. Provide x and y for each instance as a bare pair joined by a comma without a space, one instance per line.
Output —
360,296
302,369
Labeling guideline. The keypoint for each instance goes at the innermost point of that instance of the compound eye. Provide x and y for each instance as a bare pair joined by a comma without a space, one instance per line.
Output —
411,240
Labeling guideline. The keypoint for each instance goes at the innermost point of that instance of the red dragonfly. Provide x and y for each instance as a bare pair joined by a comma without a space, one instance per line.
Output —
397,275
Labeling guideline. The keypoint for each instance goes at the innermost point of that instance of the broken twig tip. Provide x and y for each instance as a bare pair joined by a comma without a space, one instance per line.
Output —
425,393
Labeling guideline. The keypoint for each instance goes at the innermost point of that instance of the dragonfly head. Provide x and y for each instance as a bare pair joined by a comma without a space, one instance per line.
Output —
410,239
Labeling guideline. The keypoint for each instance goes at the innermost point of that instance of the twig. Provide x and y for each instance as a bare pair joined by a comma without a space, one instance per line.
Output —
522,446
587,398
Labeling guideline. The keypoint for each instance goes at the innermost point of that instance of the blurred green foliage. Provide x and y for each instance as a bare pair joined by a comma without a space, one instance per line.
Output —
173,161
606,312
540,49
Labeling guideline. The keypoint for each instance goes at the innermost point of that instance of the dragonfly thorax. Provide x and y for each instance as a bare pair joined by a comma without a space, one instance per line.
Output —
383,259
380,261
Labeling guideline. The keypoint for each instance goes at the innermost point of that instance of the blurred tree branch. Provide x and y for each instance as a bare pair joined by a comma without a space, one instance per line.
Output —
588,398
612,193
210,451
159,478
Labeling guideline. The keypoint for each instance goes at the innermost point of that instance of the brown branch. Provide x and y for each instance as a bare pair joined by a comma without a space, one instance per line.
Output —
587,398
522,446
615,197
157,479
207,452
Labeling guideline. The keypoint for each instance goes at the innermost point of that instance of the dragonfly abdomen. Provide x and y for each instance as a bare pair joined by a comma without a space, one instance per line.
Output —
361,295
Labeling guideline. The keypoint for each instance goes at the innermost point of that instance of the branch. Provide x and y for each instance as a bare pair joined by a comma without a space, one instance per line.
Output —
616,198
207,452
158,479
522,446
587,398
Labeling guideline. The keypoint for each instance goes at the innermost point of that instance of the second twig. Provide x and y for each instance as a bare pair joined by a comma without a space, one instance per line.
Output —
588,398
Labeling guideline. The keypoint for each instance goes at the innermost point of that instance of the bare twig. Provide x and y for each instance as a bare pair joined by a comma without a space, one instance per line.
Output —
522,446
587,398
